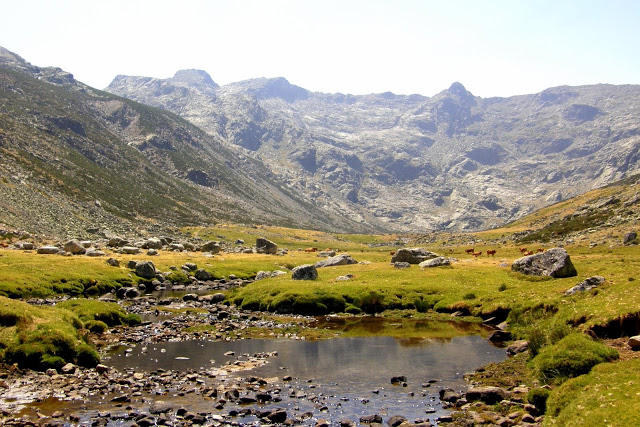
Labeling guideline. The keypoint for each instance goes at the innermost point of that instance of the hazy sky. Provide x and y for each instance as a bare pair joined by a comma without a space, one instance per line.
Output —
495,48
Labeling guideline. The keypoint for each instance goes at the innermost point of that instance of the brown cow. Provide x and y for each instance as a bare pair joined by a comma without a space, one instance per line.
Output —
392,253
540,250
529,253
491,252
523,250
469,251
477,254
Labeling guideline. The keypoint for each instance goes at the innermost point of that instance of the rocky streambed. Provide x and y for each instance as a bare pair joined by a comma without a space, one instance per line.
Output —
194,365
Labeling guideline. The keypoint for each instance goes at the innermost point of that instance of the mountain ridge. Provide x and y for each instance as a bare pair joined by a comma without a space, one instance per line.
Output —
450,161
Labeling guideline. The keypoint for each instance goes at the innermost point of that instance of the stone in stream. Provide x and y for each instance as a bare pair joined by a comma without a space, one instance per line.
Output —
370,419
449,395
554,262
518,347
342,259
304,272
277,416
202,275
412,255
146,269
499,336
396,420
265,246
75,247
398,379
488,395
586,284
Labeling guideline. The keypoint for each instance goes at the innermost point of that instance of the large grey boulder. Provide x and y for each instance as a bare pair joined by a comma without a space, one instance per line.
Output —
74,247
146,269
213,247
435,262
412,255
342,259
586,285
554,263
265,246
304,272
488,395
48,250
117,242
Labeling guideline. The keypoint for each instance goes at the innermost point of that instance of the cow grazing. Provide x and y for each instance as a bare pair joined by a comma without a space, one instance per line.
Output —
523,250
529,253
477,254
392,253
469,251
491,252
540,250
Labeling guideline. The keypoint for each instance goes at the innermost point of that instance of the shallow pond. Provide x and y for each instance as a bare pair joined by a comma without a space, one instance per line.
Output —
350,376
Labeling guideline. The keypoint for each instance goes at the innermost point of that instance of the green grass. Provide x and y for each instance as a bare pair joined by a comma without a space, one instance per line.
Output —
570,357
42,337
609,395
110,313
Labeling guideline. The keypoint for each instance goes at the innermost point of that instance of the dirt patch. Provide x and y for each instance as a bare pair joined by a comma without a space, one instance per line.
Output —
623,348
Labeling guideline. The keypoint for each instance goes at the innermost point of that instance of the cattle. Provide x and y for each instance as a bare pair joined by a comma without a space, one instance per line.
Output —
523,250
311,250
477,254
469,251
491,252
540,250
529,253
392,253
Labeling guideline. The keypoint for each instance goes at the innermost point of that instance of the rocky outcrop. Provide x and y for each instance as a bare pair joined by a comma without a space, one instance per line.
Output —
553,262
412,255
74,247
146,269
213,247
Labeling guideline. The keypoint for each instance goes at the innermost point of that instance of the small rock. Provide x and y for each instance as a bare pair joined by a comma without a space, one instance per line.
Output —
130,250
370,419
342,259
634,342
630,238
401,265
488,395
499,336
396,420
152,252
518,347
48,250
69,368
203,275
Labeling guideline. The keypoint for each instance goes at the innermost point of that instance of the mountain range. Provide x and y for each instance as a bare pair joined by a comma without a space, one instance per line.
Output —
149,153
453,161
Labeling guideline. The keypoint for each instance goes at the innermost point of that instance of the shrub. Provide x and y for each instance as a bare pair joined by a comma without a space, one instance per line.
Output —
538,397
502,288
573,355
421,305
537,340
470,295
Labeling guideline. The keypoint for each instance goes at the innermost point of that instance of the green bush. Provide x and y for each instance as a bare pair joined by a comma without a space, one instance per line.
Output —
573,355
538,398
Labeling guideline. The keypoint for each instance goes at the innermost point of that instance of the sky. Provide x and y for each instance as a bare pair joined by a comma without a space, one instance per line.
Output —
494,48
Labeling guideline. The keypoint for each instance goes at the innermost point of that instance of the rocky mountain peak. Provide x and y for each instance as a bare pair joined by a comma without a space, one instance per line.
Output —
277,87
10,59
193,77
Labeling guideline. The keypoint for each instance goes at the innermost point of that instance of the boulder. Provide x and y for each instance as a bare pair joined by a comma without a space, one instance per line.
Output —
69,368
152,243
146,269
190,266
370,419
213,247
152,252
117,242
629,238
127,292
189,246
265,246
202,275
412,255
324,254
176,247
92,252
190,297
86,244
261,275
27,246
634,342
554,262
344,278
435,262
342,259
586,284
48,250
488,395
448,395
396,420
304,272
130,250
113,262
499,336
131,264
